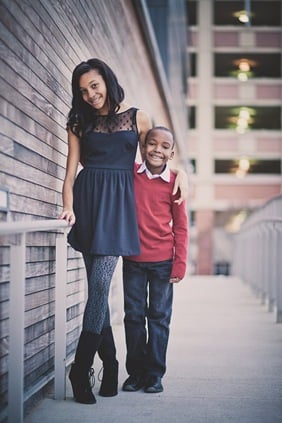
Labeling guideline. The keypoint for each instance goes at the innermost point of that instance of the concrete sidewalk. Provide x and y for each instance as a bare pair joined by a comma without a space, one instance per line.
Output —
224,365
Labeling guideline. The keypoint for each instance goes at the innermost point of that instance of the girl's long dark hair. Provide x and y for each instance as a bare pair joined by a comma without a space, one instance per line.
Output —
82,116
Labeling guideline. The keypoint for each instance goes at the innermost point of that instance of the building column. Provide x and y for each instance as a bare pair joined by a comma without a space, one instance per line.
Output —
204,220
204,124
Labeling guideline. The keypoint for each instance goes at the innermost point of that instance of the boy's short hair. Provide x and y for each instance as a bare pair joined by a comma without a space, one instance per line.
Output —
161,128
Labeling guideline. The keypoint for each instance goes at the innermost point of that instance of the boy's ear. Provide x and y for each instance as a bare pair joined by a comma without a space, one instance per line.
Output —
171,155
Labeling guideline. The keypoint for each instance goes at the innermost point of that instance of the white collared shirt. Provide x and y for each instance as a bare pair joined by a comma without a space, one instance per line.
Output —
165,175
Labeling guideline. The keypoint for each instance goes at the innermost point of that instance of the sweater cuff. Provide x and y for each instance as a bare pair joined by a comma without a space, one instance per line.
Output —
178,270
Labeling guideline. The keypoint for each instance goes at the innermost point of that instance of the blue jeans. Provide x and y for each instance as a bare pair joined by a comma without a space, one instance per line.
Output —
148,297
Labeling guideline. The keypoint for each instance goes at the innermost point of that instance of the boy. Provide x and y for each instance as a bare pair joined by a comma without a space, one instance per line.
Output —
163,232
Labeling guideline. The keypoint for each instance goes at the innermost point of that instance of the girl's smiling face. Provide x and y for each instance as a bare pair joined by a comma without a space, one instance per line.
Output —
94,91
158,150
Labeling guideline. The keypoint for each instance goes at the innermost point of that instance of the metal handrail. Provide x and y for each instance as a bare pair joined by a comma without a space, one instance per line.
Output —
11,228
257,255
16,317
249,225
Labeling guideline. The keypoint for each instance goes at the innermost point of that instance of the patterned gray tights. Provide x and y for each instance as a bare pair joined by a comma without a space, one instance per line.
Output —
99,271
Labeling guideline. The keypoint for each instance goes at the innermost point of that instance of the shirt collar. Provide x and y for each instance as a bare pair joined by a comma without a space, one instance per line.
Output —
165,175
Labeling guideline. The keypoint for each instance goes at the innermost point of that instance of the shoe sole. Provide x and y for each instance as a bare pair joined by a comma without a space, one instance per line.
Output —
131,389
152,390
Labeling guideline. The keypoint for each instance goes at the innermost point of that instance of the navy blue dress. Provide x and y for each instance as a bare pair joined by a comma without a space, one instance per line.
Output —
104,203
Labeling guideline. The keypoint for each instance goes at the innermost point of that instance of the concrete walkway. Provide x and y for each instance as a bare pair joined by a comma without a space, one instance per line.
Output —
224,365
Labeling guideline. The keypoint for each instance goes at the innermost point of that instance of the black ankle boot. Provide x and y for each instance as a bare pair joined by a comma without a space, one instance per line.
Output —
88,344
109,383
107,353
81,387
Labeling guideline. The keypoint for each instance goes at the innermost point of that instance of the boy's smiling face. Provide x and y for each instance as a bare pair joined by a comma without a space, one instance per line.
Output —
158,150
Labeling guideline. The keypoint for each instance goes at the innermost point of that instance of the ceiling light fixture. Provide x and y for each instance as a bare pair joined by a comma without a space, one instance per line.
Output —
244,16
244,65
245,68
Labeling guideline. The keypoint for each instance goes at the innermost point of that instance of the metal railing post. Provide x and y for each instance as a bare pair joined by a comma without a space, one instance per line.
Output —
279,273
60,316
272,260
16,332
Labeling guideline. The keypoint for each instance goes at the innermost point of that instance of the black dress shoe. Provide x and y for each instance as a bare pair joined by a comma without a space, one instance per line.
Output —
153,385
133,383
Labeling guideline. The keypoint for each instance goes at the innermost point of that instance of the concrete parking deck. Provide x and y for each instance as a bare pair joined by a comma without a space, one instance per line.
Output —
224,365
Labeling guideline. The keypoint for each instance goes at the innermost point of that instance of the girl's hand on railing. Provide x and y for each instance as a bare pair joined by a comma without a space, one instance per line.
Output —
68,215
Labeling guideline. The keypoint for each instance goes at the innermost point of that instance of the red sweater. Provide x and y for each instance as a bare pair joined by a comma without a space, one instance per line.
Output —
163,226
